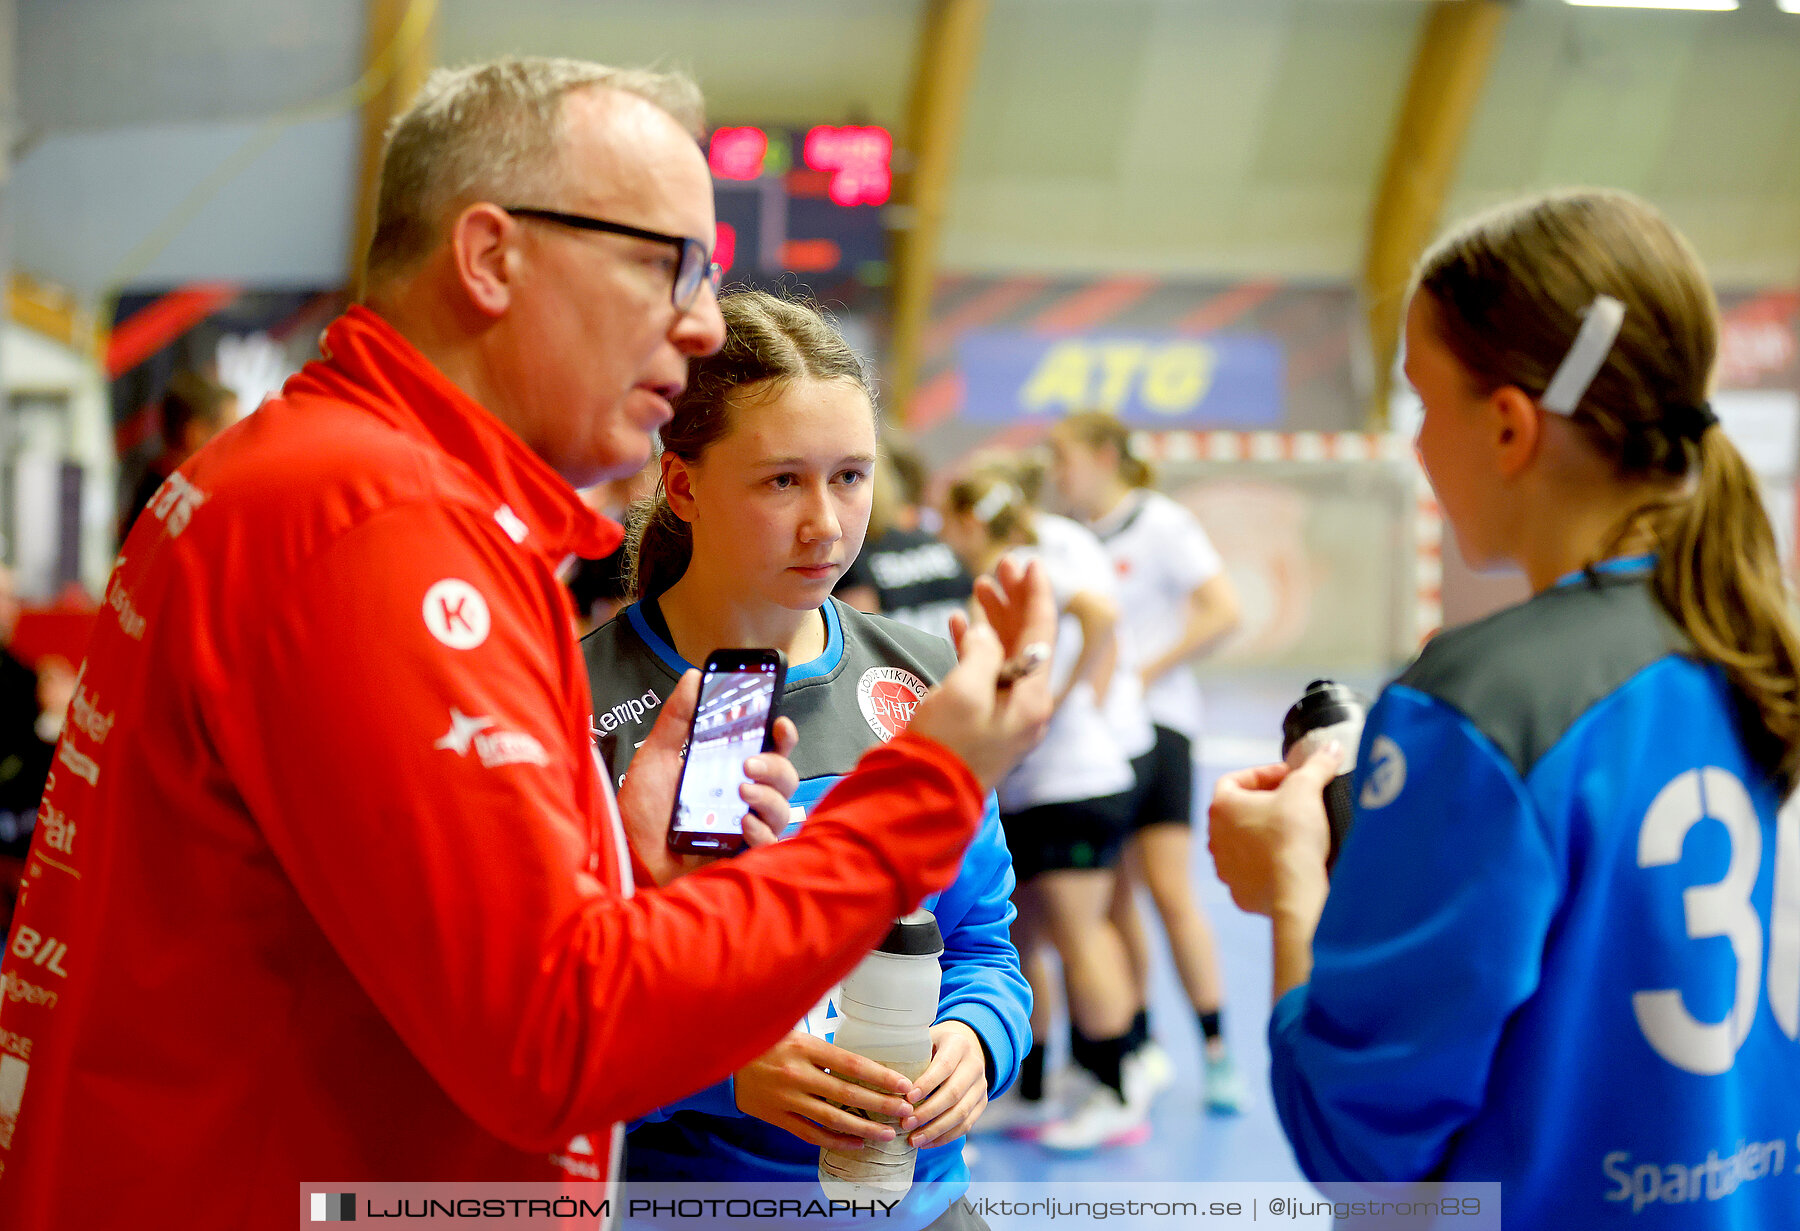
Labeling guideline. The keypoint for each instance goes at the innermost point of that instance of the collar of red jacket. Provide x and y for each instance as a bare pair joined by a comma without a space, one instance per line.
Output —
370,365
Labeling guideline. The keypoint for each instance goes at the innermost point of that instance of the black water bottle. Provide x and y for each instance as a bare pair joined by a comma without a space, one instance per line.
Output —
1327,711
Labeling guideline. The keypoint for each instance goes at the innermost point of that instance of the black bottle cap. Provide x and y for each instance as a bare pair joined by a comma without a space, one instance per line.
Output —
1325,703
914,935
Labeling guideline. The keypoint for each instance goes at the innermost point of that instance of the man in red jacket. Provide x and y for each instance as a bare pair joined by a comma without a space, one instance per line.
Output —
328,883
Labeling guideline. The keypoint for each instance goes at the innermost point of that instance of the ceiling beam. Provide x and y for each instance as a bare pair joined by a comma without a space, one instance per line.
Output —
49,310
396,58
1457,43
943,75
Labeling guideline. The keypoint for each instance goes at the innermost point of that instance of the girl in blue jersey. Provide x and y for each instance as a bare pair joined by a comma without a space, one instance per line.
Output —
1561,944
763,503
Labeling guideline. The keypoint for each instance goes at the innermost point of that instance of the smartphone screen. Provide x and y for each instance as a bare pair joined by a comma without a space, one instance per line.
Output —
731,724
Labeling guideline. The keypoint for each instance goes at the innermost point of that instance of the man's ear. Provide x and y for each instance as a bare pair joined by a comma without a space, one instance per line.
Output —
678,486
486,263
1516,424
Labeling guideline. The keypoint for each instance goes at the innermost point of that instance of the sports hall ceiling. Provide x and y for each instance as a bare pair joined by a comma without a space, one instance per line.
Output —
1205,137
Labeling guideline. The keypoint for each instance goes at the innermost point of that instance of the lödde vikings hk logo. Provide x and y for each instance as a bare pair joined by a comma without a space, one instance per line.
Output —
888,696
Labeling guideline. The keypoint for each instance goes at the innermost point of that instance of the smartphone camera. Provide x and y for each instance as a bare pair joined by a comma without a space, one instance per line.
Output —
733,721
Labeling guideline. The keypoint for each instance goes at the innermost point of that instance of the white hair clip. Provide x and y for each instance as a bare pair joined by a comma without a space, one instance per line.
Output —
994,503
1599,330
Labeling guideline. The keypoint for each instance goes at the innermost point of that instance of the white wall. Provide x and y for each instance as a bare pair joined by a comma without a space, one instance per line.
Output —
128,107
33,364
85,204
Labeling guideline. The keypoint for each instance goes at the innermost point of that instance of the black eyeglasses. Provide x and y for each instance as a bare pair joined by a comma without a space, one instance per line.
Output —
695,266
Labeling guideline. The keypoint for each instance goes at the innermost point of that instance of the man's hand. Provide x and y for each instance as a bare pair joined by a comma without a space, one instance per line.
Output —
954,1087
988,726
647,799
1268,833
789,1086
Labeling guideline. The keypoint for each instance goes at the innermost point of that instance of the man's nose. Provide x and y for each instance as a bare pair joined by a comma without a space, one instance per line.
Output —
701,329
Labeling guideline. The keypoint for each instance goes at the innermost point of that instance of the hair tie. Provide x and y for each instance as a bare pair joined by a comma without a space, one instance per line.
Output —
1593,342
990,506
1689,422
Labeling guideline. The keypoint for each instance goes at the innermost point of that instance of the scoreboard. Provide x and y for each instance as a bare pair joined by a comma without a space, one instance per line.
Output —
803,207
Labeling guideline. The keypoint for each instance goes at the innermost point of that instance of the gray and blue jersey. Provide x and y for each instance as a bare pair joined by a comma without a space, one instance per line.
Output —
1562,946
858,693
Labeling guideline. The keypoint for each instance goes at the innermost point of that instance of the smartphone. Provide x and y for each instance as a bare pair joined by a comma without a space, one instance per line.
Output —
734,720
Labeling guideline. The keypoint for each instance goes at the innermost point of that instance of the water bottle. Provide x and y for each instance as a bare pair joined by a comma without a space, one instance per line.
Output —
886,1009
1327,711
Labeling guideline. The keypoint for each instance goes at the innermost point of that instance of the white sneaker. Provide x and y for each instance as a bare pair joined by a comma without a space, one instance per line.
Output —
1148,1072
1103,1119
1015,1116
1224,1088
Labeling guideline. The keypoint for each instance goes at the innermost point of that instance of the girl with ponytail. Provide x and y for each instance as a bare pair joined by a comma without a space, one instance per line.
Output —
767,469
1561,946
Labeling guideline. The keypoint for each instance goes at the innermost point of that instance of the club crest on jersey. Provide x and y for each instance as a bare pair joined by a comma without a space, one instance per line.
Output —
888,696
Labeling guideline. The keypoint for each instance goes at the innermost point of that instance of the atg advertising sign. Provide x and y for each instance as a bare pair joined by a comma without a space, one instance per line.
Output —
1148,380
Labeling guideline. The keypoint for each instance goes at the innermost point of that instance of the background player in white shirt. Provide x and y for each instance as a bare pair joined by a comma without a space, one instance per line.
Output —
1176,603
1064,807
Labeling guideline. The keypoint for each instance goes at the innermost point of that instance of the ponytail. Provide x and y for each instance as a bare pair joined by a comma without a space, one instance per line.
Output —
1719,577
658,547
996,504
1508,290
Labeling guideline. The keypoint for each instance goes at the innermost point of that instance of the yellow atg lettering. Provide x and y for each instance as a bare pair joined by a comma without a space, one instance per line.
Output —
1060,379
1178,376
1119,363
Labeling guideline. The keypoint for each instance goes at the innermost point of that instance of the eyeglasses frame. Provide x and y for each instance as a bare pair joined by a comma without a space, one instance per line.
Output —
710,270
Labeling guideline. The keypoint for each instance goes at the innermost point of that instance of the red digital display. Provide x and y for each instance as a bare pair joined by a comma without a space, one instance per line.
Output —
802,202
725,251
810,255
859,160
738,153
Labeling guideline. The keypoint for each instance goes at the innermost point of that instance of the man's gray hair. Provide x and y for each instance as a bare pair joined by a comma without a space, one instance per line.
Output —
489,131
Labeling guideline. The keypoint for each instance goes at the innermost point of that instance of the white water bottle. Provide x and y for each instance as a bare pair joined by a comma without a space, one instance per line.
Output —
887,1006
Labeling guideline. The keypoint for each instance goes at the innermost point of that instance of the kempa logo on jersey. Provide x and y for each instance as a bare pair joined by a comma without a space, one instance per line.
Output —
888,696
457,614
495,748
627,712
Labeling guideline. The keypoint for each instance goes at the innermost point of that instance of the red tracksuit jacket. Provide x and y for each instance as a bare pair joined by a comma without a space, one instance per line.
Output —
328,885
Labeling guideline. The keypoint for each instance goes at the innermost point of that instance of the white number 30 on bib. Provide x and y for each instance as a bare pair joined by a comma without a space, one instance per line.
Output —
1723,909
